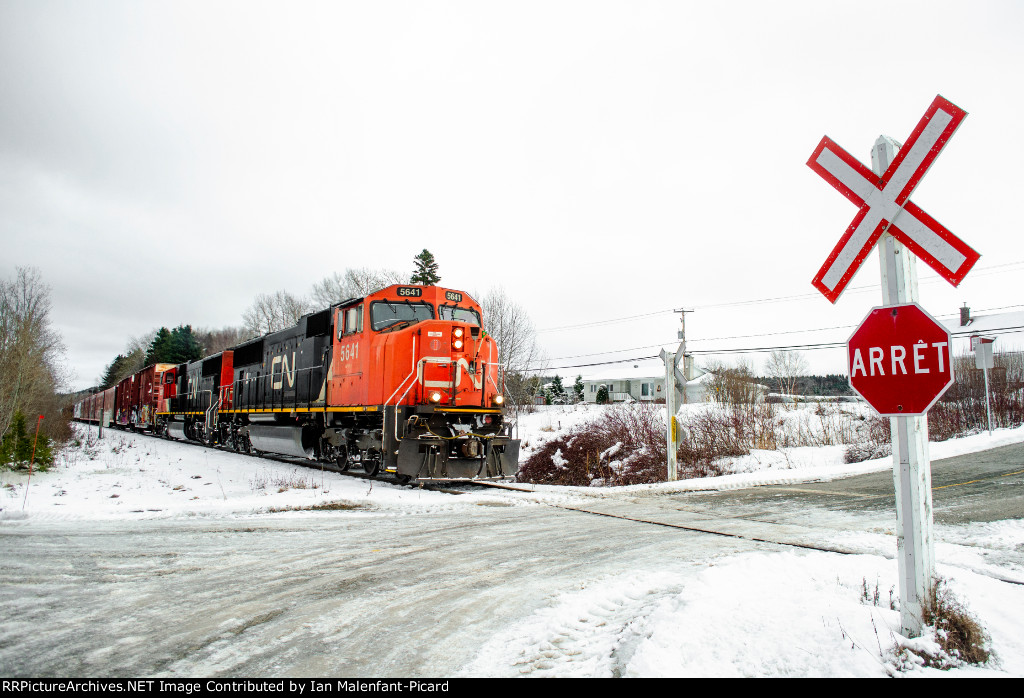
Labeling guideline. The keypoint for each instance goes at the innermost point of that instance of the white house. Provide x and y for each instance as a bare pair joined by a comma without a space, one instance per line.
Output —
640,382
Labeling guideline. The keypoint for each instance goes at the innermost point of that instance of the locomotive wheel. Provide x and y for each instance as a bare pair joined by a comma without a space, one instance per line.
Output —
341,457
371,462
402,479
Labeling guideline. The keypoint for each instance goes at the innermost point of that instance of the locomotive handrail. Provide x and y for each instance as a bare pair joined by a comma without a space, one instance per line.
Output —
209,414
416,372
412,372
260,399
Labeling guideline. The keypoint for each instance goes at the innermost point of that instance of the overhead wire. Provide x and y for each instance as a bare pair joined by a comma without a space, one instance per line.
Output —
984,271
755,350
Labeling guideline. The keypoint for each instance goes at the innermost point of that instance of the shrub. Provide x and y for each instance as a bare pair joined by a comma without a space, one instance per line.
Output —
17,445
958,633
626,446
956,636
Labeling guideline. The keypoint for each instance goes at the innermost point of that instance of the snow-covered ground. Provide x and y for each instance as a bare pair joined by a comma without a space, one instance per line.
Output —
760,467
786,613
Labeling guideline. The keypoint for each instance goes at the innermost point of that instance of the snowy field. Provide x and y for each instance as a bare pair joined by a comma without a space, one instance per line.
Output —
804,616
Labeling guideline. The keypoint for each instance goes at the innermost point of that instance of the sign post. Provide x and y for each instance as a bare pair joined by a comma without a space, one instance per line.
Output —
671,405
983,359
888,339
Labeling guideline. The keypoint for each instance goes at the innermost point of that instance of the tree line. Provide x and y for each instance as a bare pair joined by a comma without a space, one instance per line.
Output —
269,312
504,319
32,371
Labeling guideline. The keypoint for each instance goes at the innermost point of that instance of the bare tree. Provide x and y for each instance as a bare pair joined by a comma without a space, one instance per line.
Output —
516,337
355,283
215,341
273,312
786,367
733,386
31,353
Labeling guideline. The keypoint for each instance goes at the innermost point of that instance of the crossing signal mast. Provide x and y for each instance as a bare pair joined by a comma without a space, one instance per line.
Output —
903,233
677,371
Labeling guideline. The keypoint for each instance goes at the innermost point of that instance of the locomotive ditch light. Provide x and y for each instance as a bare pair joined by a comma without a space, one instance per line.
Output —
435,396
498,400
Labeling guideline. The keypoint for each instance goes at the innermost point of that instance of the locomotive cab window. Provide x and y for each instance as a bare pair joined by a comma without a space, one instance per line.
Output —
385,314
354,320
457,314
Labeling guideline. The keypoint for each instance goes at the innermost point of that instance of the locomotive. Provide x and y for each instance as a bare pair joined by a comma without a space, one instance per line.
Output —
404,381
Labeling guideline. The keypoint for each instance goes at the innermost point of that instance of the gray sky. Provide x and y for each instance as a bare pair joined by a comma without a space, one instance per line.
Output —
163,163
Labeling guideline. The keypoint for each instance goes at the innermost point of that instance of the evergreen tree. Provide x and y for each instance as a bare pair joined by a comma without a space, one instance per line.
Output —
16,446
112,375
426,270
175,346
577,388
602,395
557,389
159,348
184,345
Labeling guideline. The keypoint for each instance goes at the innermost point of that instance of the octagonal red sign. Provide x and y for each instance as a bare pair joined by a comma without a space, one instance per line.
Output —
900,360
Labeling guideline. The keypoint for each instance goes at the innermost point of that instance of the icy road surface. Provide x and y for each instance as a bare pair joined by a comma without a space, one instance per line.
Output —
320,594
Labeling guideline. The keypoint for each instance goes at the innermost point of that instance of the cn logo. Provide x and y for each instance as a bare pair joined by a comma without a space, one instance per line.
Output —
286,371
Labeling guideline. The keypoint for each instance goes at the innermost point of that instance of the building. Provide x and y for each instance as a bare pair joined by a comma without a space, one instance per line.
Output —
641,382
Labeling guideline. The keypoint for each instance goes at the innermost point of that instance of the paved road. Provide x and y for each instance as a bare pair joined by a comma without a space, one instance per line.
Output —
320,595
359,593
978,487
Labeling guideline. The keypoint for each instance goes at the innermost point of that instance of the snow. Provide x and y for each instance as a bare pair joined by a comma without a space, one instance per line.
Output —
760,467
766,613
755,614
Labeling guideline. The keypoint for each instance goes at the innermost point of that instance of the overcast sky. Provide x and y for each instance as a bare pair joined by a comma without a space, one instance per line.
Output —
163,163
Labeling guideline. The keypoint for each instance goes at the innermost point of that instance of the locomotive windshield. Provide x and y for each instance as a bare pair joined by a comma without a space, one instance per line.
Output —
454,312
384,314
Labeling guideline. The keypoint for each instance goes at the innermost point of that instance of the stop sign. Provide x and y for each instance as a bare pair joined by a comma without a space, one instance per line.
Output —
900,360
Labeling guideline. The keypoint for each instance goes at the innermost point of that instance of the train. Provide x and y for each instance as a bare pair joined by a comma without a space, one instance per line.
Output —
404,381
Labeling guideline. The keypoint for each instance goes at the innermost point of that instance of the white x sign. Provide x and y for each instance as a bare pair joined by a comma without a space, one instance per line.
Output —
885,205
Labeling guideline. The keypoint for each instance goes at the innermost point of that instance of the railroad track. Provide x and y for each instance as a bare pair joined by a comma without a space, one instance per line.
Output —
432,485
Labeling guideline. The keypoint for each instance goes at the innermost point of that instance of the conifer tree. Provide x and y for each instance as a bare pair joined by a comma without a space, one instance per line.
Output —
425,269
16,447
577,388
174,346
557,389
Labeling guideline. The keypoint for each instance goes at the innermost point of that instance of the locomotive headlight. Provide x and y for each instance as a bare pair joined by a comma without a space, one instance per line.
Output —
458,332
498,400
435,396
457,344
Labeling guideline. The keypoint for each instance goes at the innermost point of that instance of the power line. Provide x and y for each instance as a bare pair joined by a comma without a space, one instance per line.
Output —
984,271
756,350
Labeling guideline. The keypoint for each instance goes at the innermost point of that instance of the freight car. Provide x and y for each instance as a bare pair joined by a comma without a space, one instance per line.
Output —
132,403
404,381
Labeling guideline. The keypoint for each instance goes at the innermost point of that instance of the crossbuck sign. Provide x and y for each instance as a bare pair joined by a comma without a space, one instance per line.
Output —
885,205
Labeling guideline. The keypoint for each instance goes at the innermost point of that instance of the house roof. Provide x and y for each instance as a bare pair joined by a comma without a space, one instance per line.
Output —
1007,328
